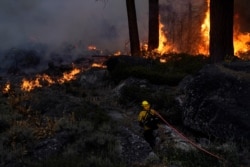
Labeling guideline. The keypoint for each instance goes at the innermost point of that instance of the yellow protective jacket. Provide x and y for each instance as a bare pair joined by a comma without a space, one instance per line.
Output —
142,116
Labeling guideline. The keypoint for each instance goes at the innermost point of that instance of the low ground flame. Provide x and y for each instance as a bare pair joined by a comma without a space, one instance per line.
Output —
28,85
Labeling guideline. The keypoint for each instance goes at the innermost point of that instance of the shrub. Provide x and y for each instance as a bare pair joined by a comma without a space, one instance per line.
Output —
171,72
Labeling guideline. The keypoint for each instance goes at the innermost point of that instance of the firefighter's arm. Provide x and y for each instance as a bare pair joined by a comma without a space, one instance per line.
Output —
140,118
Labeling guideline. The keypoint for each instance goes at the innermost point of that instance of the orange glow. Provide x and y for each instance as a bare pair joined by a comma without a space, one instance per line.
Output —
163,60
162,40
117,53
91,47
6,88
69,76
98,65
241,43
28,85
47,78
241,40
144,46
205,28
164,46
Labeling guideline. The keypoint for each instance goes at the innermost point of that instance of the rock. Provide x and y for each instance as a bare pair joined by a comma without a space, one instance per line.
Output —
134,148
216,101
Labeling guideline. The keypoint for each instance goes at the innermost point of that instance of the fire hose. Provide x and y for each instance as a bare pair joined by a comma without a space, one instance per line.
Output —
188,140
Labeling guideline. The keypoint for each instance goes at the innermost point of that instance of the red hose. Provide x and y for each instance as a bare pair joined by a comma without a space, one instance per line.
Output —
188,140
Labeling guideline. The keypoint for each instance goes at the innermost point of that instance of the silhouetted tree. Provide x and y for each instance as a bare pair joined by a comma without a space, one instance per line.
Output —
153,25
133,28
221,30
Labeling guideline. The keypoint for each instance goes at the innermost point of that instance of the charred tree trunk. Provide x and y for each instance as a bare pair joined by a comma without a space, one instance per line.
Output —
153,25
133,28
221,30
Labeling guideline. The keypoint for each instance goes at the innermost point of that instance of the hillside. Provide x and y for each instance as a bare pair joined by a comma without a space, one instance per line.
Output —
92,121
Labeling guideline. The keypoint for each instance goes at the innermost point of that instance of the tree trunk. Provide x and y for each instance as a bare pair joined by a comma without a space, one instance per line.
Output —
221,30
153,25
133,29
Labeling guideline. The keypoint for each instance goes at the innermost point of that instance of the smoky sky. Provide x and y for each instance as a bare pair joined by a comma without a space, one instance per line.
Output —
88,22
53,22
242,9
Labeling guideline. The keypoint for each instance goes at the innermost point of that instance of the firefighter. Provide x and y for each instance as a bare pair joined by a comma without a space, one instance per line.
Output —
148,120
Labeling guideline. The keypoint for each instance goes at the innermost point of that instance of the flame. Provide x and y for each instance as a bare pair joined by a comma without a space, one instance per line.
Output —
28,85
241,43
69,76
47,78
241,40
162,40
163,47
205,28
98,65
6,88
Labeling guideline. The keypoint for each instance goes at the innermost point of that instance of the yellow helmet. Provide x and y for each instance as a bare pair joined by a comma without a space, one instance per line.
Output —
145,103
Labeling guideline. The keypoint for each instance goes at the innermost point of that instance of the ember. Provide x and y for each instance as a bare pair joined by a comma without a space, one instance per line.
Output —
117,53
6,88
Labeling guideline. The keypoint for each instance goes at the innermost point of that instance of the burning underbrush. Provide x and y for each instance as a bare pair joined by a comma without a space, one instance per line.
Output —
49,112
38,123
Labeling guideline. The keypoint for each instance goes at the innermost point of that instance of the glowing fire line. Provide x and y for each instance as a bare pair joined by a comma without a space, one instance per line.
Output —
44,79
28,85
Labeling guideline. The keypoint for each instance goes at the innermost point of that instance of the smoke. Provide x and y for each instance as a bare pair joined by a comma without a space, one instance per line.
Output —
57,26
242,10
54,22
59,23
